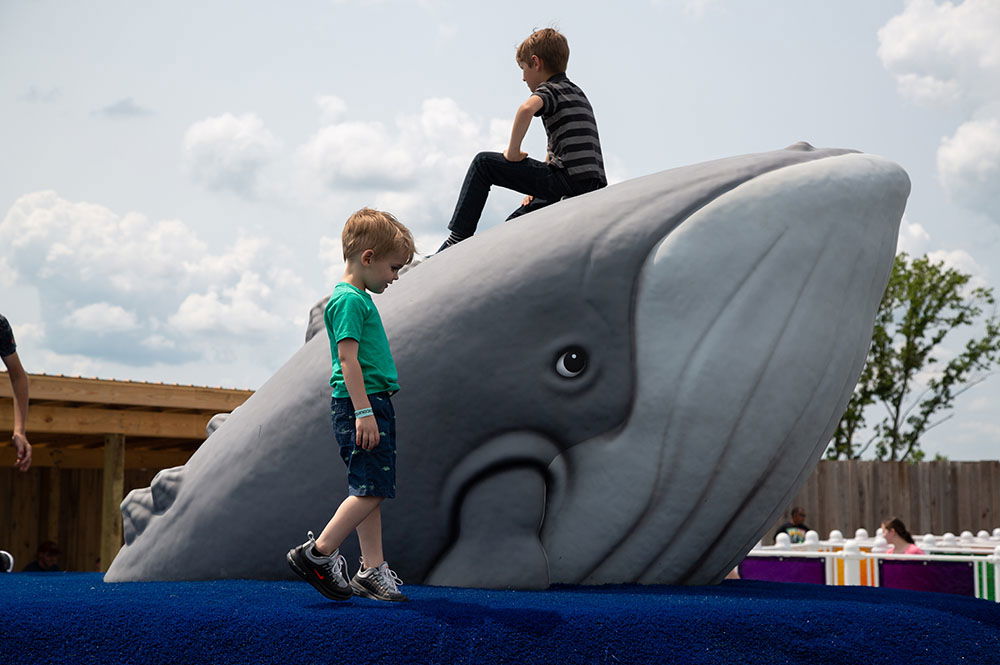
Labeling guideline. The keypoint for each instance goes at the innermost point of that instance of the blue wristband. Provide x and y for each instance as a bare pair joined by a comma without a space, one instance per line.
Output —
364,413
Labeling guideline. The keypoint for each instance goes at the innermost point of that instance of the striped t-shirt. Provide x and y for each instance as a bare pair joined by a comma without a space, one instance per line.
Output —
571,129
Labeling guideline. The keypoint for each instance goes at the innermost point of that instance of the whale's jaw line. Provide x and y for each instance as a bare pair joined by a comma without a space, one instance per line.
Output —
752,321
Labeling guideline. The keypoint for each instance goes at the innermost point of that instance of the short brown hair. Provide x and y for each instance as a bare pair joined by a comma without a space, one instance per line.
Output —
549,45
378,231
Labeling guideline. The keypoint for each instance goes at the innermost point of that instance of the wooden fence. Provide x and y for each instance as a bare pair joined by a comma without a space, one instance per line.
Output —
29,514
930,497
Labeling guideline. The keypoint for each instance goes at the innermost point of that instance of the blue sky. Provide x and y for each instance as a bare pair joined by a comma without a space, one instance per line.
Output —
176,174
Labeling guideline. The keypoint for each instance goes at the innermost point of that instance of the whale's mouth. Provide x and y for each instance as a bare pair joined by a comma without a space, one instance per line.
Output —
751,320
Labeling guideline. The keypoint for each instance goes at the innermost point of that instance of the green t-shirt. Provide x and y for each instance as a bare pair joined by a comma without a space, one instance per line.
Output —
351,314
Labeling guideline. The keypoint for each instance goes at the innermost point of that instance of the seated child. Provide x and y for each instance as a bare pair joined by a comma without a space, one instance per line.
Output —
364,377
574,164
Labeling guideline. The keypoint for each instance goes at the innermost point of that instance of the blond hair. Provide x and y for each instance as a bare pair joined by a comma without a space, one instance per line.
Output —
549,45
378,231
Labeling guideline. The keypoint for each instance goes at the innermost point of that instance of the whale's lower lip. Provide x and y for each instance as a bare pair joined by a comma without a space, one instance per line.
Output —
751,322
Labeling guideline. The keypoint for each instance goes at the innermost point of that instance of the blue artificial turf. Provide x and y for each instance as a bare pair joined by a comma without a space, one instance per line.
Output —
77,618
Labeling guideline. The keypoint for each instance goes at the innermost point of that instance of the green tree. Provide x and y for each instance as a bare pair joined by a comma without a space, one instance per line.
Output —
903,380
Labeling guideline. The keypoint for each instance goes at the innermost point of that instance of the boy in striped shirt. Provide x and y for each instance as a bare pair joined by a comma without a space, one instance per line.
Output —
574,164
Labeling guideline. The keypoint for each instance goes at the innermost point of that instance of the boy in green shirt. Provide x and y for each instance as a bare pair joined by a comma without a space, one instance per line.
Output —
376,246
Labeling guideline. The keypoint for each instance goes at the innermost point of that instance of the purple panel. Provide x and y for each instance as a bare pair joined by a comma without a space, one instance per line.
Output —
780,569
942,576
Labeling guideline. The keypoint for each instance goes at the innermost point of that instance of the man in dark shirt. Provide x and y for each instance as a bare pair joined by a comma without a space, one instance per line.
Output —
19,383
796,529
46,560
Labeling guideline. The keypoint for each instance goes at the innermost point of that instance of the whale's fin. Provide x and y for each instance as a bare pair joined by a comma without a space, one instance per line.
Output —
136,509
141,504
165,486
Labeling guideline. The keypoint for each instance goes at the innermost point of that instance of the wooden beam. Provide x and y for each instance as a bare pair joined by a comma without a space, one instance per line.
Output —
85,420
93,458
104,391
113,483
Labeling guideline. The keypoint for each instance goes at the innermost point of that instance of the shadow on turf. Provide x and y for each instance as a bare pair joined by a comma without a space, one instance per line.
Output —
457,614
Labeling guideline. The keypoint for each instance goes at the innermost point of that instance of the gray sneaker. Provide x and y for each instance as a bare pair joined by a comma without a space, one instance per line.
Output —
378,583
328,574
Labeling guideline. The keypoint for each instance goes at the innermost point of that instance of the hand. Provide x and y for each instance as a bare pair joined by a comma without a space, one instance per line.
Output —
23,461
367,435
514,157
527,199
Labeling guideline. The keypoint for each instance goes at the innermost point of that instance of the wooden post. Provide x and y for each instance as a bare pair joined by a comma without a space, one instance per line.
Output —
52,514
114,486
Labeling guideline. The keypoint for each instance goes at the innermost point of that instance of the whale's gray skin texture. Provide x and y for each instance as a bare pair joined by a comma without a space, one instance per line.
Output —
725,310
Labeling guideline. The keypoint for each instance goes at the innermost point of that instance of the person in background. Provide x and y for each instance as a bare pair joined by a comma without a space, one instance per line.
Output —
19,384
796,529
899,539
46,559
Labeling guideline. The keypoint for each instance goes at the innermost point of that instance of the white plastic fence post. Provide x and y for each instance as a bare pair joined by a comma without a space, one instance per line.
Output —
996,574
861,534
852,563
783,541
812,541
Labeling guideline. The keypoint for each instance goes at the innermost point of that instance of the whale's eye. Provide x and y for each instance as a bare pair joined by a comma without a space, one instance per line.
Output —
571,362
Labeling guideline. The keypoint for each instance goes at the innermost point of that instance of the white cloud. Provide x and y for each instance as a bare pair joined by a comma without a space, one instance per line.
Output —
969,164
125,288
331,107
228,152
238,310
25,331
7,274
913,238
350,155
40,95
697,8
949,54
102,318
124,108
413,167
331,255
943,52
961,260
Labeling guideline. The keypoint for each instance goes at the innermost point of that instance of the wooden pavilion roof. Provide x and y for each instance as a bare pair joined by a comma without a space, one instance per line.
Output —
69,417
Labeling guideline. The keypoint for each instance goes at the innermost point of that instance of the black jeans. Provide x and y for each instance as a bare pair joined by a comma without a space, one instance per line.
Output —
528,176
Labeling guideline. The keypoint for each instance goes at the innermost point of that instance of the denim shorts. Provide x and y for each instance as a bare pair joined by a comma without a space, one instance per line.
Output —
369,472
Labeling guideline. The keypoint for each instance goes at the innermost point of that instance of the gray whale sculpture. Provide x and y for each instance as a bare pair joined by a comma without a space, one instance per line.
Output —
627,386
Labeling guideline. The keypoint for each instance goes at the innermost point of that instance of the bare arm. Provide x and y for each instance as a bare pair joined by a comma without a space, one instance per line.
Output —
522,120
19,385
366,428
